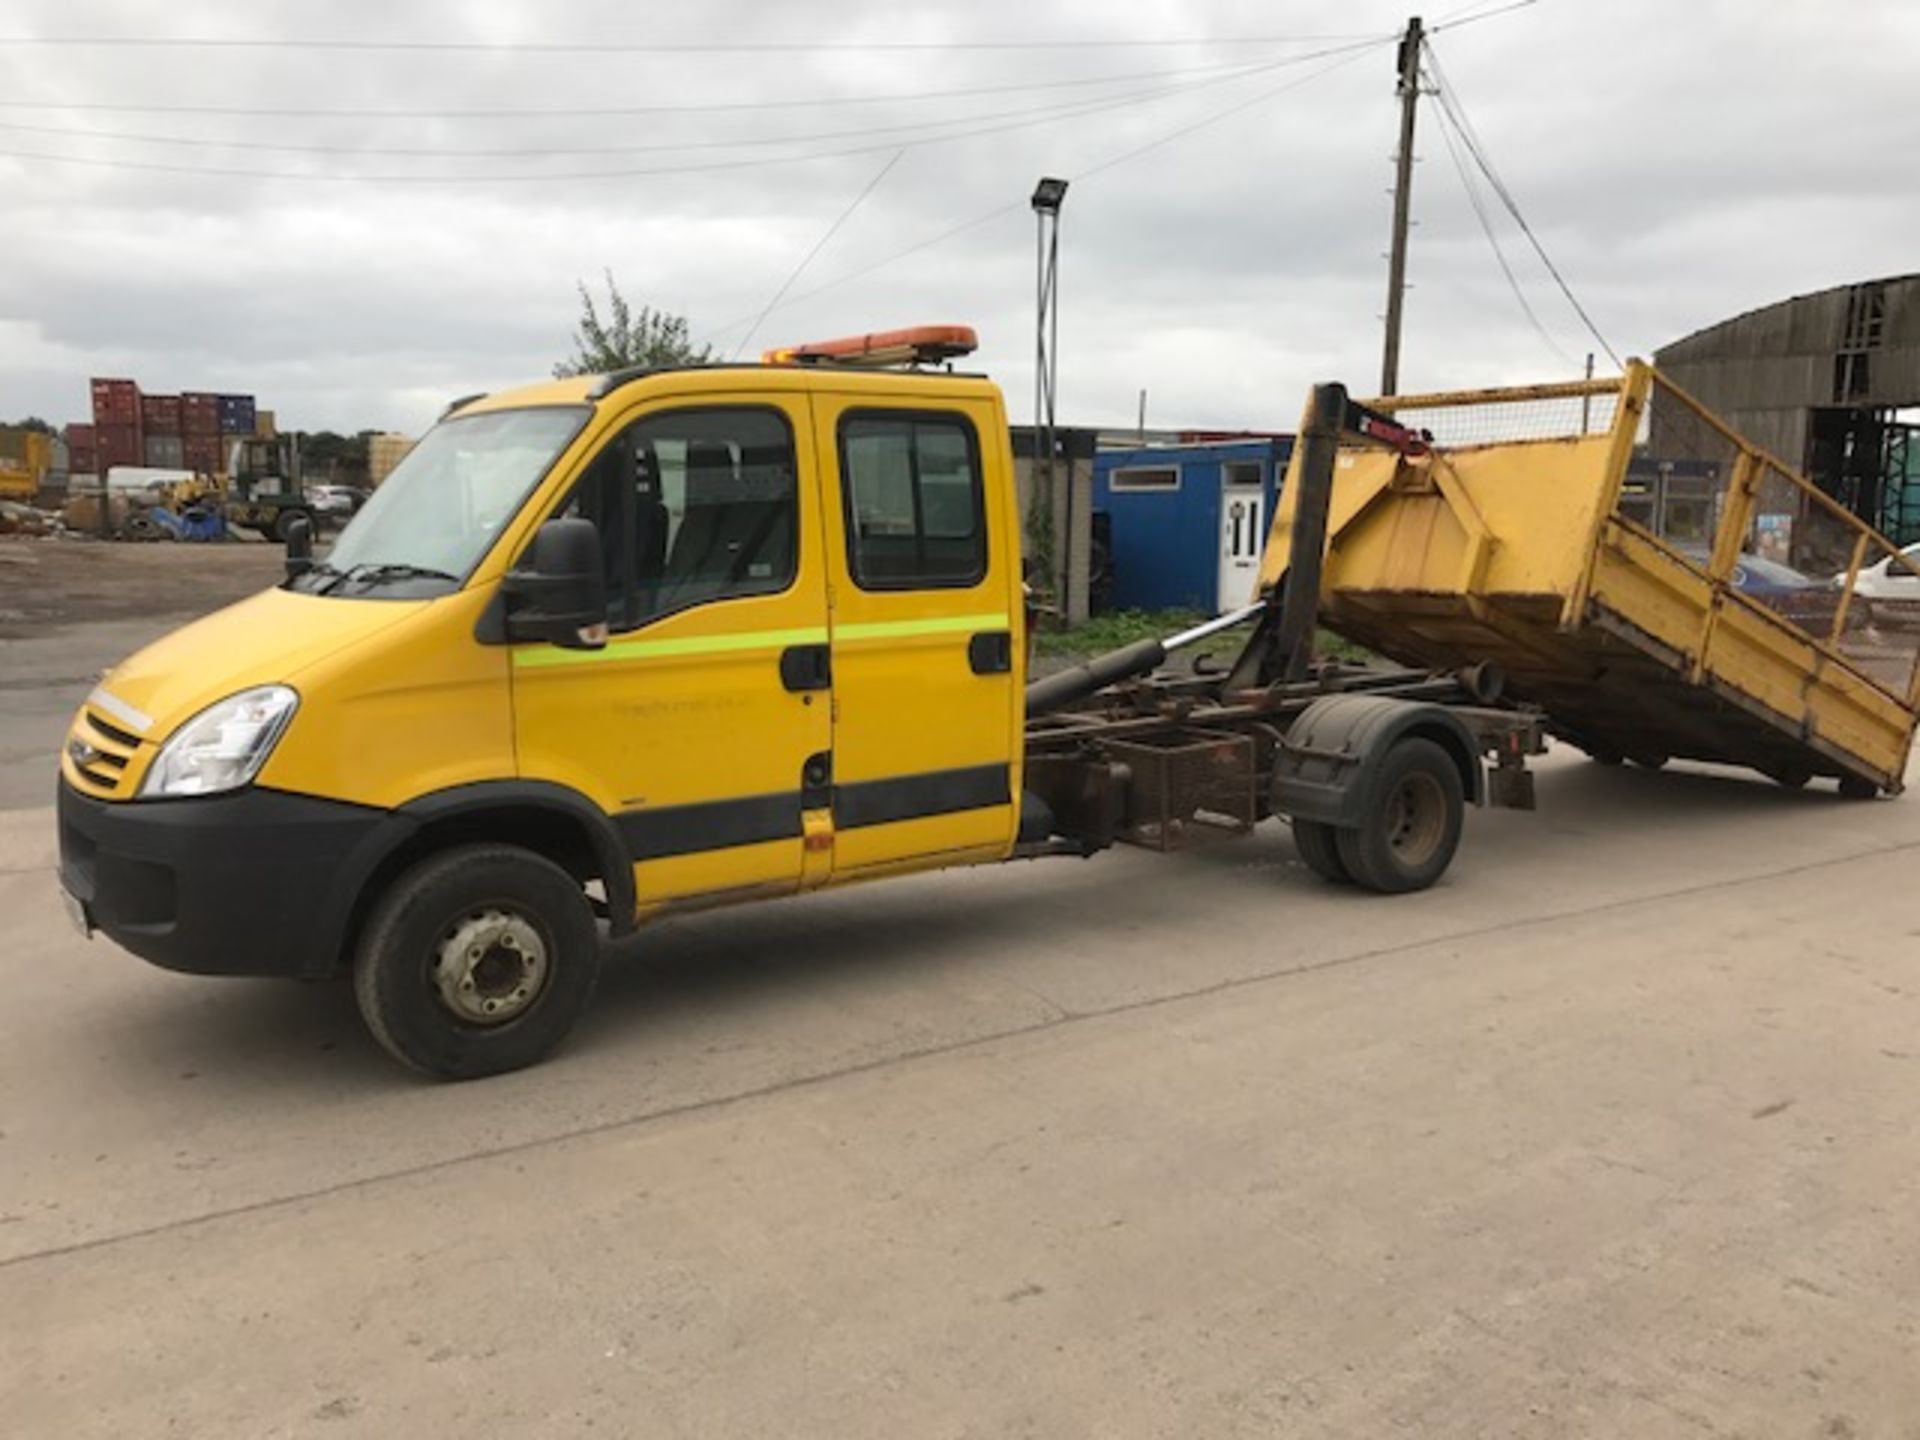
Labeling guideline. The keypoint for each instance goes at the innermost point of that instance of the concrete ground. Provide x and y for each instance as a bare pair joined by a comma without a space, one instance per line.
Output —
1612,1133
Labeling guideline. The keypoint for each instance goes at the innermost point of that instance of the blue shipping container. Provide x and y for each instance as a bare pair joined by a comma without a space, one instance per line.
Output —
1188,522
237,415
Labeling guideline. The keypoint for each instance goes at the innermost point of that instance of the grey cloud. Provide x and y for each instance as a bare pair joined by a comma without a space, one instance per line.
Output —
1682,162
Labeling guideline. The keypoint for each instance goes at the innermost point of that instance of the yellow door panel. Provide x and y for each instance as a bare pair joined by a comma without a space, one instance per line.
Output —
684,727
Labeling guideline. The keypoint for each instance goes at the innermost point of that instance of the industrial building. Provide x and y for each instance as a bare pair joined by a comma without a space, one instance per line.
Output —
1821,382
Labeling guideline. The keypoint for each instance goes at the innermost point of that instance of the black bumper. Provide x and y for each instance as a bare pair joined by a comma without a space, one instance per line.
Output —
255,883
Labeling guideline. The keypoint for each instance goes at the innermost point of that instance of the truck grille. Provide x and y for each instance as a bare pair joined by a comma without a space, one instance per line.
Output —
98,753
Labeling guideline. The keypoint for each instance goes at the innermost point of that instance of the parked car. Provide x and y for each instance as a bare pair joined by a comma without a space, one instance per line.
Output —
1809,603
336,502
1891,591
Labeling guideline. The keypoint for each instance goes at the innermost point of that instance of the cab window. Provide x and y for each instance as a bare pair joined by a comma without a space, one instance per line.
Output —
693,506
915,501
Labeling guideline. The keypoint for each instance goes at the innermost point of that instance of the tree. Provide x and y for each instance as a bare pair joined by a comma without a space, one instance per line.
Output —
626,338
34,422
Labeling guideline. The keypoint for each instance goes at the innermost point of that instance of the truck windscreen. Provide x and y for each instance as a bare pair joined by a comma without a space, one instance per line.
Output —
435,516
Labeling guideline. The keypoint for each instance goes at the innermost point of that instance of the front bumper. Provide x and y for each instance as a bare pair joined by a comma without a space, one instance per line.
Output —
259,882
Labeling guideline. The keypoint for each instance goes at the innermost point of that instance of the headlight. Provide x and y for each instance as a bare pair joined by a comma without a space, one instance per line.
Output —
223,747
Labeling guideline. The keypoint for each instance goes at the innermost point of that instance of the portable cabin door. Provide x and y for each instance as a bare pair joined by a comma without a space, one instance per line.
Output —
1243,532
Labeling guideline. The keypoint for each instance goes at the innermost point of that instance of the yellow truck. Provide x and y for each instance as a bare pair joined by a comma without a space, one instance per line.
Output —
605,649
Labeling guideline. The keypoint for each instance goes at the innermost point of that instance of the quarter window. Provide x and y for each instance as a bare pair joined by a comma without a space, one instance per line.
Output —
1145,477
915,502
693,506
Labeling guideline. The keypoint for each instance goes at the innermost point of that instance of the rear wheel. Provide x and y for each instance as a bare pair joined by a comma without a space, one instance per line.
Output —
1319,847
1414,812
1852,787
476,961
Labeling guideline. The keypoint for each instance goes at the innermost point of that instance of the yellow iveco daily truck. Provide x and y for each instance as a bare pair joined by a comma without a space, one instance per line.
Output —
609,647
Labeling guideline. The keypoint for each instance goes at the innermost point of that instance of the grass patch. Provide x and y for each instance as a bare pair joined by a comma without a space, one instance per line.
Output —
1124,627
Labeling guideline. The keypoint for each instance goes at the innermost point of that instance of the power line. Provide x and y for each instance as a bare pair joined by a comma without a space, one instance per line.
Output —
952,232
670,47
1486,226
1450,23
1354,53
818,246
522,152
228,172
606,111
1456,111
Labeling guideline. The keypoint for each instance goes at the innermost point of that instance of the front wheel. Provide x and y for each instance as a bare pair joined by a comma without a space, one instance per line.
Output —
477,961
1415,809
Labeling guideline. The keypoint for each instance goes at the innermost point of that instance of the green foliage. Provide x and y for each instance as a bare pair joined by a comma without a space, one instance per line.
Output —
34,423
1117,628
624,337
1124,627
335,458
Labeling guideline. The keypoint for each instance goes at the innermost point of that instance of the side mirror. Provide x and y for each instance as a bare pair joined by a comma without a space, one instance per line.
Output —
558,592
299,546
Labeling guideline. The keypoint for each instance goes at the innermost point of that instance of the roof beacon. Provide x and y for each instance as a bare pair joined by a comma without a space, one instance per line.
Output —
921,345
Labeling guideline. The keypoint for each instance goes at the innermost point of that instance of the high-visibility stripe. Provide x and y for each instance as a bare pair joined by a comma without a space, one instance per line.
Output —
684,645
639,649
939,625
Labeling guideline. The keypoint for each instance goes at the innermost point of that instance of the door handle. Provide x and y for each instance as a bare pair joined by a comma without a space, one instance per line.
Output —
991,652
806,667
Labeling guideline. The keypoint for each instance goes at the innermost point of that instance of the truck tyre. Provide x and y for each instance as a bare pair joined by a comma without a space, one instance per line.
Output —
476,961
1853,787
1319,847
1410,824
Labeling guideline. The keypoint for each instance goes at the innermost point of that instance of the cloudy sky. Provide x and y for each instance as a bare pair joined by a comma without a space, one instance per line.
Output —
358,234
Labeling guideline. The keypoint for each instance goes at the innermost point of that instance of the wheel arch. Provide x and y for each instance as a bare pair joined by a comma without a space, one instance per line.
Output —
1330,750
551,820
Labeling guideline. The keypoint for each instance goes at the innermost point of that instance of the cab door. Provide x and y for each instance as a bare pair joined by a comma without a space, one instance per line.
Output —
927,681
703,725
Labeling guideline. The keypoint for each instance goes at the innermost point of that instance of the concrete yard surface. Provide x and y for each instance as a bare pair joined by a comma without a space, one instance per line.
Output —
1613,1133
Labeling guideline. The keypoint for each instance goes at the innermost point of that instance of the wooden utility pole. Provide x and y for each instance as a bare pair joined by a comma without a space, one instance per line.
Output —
1402,205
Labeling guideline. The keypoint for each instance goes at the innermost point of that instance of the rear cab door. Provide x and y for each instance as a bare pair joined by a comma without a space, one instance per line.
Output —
923,566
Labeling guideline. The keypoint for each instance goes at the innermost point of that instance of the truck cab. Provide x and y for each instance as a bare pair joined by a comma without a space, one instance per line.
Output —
598,649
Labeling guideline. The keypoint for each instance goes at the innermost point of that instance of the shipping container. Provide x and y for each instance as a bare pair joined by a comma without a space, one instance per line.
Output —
79,436
167,452
160,414
118,445
199,413
116,402
236,414
203,454
265,424
81,460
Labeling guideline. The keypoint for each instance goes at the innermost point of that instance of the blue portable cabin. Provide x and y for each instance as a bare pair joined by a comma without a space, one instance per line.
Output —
1185,523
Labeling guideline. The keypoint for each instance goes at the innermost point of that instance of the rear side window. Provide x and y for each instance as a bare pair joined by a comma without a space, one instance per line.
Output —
915,501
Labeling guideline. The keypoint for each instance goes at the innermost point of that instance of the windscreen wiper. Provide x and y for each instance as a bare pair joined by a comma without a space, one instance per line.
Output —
372,572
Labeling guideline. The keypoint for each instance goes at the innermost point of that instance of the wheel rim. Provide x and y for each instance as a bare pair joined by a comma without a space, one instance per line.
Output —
490,966
1416,818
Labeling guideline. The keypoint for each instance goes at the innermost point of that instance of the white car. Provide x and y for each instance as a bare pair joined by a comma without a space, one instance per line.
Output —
1884,580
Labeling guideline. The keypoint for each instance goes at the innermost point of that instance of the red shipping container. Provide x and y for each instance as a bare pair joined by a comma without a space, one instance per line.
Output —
202,454
116,402
82,462
119,445
160,414
79,436
199,413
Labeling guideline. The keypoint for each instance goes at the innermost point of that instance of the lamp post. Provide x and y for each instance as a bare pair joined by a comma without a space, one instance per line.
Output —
1047,198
